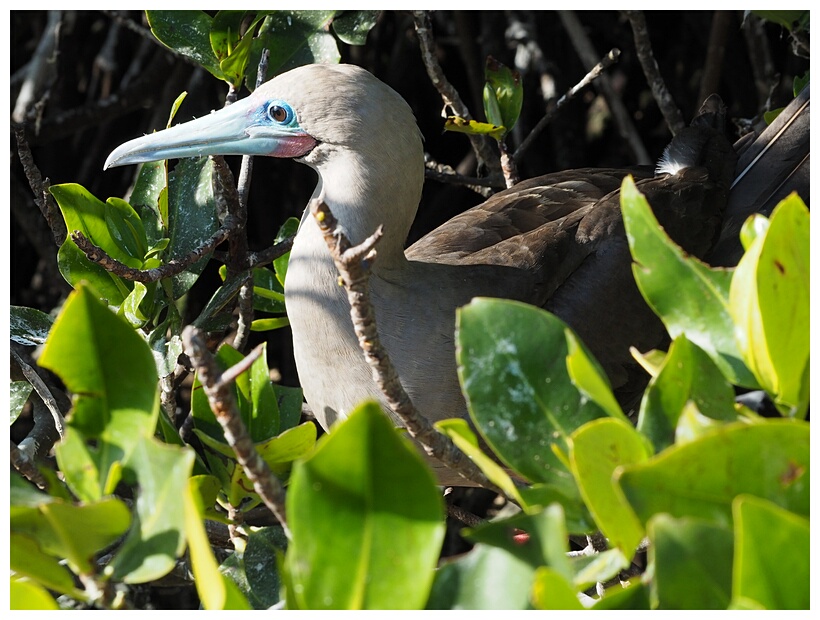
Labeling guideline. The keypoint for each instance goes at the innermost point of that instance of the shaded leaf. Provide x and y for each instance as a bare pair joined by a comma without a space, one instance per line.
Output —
29,326
20,391
352,26
187,33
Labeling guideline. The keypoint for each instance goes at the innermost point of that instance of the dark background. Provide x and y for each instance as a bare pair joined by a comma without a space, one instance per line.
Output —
109,84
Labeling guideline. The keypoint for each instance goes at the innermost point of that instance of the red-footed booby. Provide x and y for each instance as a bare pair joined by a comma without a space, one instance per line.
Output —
555,241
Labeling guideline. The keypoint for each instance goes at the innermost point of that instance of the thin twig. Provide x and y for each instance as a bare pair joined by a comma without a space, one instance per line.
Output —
508,167
42,69
43,392
643,46
449,94
353,264
586,51
171,268
223,404
43,198
446,174
268,255
715,52
606,62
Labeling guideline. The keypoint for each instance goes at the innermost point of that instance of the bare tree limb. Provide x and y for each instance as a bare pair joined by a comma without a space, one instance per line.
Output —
223,404
671,112
352,263
586,51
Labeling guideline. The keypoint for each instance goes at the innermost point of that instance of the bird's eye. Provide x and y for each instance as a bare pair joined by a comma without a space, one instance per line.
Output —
280,112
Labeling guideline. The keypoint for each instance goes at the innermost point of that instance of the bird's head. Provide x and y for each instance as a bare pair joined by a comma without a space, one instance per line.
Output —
311,113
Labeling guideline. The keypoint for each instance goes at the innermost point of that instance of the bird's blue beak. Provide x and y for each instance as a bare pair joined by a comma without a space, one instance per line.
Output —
252,126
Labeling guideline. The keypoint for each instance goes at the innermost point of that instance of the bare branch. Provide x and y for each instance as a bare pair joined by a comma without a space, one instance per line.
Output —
606,62
353,265
171,268
671,112
448,93
42,391
586,51
223,404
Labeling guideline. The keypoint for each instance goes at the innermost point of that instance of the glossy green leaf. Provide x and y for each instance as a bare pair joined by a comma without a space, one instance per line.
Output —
550,590
85,213
125,228
187,33
73,532
29,326
459,431
25,594
503,94
158,536
192,217
597,449
264,325
216,591
536,497
687,374
268,294
485,578
691,562
462,125
290,405
111,372
352,26
690,297
219,303
294,38
225,32
769,302
380,547
588,376
20,391
769,459
772,555
131,310
257,402
521,399
261,565
235,64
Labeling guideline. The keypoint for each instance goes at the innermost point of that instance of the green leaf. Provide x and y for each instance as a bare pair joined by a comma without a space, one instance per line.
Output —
690,297
294,38
485,578
111,372
280,265
691,562
255,398
634,596
459,431
599,567
462,125
261,565
381,546
771,562
85,213
192,217
72,532
20,391
187,33
25,594
597,449
521,400
503,94
588,376
264,325
769,302
29,326
216,591
550,590
769,459
687,374
158,536
27,558
544,542
234,65
126,229
352,26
